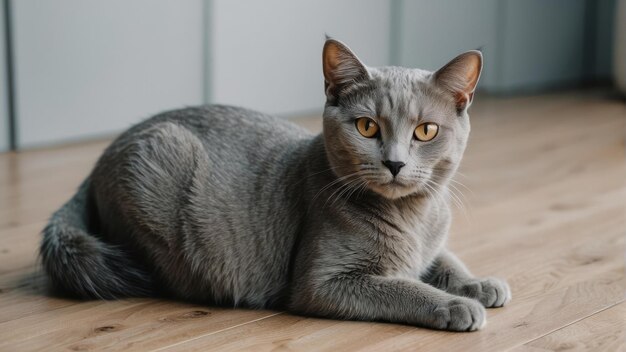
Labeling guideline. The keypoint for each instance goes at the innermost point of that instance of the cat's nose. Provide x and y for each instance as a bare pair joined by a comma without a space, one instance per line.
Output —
393,166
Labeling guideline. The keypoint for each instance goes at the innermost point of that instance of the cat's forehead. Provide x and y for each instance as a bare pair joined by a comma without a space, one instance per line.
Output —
402,93
393,77
396,94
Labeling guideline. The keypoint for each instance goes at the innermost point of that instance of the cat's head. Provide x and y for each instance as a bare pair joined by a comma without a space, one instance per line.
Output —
394,130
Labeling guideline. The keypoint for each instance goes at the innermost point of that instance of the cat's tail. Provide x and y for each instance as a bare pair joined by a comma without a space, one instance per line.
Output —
80,263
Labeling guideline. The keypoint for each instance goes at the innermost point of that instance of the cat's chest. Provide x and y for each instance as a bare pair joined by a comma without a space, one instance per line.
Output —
411,241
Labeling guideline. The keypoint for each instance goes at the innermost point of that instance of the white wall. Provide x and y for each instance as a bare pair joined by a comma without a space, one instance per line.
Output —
266,55
4,118
86,67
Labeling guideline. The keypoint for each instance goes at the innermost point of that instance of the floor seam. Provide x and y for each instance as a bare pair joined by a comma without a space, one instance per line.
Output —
569,324
216,332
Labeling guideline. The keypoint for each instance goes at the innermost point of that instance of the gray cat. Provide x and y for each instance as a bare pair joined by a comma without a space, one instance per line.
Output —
225,205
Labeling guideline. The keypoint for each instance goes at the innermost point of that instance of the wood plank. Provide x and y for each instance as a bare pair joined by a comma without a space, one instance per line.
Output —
130,324
19,246
542,302
576,263
604,331
299,333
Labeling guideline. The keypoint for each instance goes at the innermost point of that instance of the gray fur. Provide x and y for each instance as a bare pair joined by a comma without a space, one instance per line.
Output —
229,206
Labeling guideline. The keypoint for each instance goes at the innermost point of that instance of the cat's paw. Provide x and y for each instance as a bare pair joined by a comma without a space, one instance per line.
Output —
460,314
491,292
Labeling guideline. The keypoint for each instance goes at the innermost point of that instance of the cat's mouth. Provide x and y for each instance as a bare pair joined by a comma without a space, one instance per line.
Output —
393,189
396,182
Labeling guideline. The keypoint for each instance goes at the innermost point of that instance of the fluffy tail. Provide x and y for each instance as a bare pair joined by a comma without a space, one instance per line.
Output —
80,263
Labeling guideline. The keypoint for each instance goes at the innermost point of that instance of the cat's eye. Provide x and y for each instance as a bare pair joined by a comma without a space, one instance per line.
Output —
367,127
426,131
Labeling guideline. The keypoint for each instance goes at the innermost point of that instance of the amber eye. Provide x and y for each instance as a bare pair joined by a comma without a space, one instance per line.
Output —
367,127
426,132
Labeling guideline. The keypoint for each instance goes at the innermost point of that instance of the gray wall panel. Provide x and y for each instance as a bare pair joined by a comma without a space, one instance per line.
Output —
87,67
543,44
433,32
267,55
4,116
602,47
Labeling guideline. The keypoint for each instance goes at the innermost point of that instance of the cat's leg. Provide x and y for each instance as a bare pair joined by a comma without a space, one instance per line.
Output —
370,297
450,274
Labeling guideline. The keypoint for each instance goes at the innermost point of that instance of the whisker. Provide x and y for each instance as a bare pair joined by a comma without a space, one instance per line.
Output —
364,166
457,202
340,190
459,193
356,188
462,185
434,192
332,183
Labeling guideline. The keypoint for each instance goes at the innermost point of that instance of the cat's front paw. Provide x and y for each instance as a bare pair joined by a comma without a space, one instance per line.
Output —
491,292
460,314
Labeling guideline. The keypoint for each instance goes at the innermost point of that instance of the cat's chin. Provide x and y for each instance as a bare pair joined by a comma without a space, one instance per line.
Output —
394,190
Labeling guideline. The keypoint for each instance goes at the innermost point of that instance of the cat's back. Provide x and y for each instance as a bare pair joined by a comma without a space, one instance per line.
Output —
205,185
239,129
230,154
235,141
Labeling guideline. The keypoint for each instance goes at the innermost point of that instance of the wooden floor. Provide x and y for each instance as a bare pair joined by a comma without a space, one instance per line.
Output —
545,208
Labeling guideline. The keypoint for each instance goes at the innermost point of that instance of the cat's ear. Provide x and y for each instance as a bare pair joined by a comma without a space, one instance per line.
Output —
460,76
341,67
